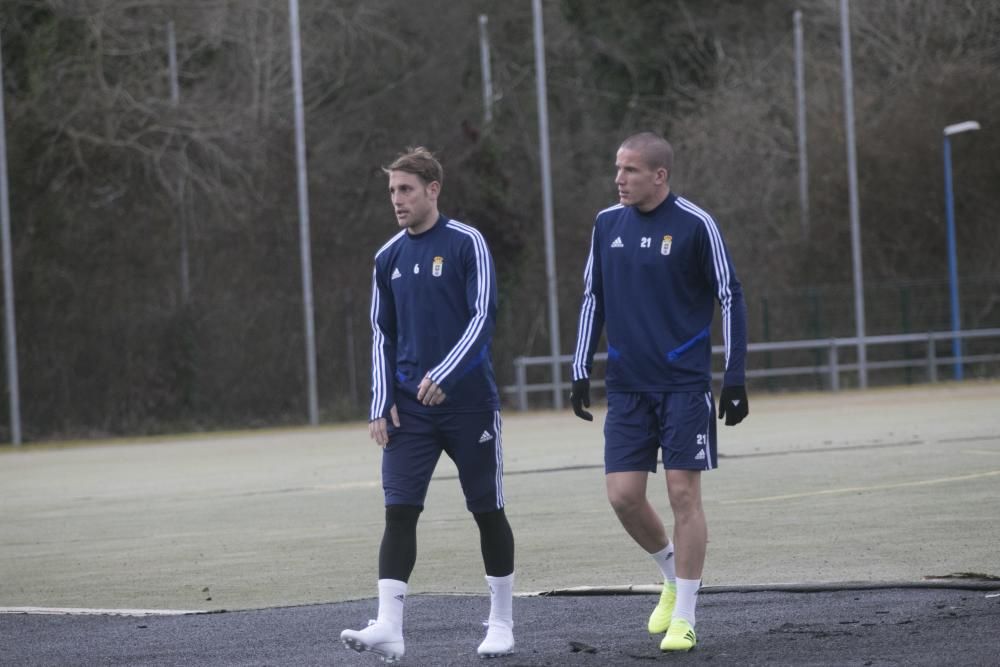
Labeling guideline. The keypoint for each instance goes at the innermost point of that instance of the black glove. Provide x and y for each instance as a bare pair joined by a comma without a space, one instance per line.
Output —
733,405
580,398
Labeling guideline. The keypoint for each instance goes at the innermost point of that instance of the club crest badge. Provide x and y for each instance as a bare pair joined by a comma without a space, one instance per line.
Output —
665,246
437,267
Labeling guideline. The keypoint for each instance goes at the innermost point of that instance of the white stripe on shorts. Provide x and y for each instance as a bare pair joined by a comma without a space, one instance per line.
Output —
709,446
498,448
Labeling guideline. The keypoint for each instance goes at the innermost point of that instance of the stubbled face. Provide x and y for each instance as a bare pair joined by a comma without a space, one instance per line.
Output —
414,202
638,184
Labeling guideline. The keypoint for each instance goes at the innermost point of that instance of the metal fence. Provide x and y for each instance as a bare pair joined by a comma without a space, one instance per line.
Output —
833,361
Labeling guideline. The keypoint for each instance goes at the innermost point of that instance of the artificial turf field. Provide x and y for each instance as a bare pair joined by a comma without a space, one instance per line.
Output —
854,492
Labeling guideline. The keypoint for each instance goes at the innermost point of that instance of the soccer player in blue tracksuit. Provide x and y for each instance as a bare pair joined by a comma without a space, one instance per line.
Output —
433,313
657,265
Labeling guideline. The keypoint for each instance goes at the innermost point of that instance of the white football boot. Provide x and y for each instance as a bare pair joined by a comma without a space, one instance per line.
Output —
381,639
499,641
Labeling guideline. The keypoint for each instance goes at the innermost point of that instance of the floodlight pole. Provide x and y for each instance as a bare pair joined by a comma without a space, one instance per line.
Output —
10,328
175,90
949,205
550,254
484,61
303,191
175,98
800,105
852,182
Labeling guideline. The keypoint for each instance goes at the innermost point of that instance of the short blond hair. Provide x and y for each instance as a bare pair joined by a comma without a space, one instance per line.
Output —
420,162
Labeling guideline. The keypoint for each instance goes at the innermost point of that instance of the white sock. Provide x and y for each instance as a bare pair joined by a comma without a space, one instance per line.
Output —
391,598
502,599
687,597
665,560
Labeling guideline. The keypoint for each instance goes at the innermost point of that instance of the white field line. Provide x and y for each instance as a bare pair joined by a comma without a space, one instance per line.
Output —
340,486
859,489
77,611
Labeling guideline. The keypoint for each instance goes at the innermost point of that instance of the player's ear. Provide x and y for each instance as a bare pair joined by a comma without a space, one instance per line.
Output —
663,174
434,189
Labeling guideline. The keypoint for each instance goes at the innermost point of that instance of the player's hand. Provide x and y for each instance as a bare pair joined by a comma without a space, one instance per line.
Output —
378,429
733,404
429,393
580,398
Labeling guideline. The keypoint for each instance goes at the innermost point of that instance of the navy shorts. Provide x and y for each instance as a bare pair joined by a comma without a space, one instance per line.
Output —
471,439
639,425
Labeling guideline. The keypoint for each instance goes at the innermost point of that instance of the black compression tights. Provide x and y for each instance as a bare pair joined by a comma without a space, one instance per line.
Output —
398,552
497,542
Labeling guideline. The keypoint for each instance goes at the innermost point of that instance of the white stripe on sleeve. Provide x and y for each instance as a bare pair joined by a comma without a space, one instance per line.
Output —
721,270
478,321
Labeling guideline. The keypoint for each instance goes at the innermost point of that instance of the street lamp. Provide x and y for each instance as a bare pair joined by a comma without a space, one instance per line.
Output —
949,205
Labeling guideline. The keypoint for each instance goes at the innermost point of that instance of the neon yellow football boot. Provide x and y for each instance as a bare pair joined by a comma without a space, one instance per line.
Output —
680,636
659,620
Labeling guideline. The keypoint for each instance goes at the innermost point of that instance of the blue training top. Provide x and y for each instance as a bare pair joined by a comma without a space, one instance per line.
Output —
434,299
653,278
